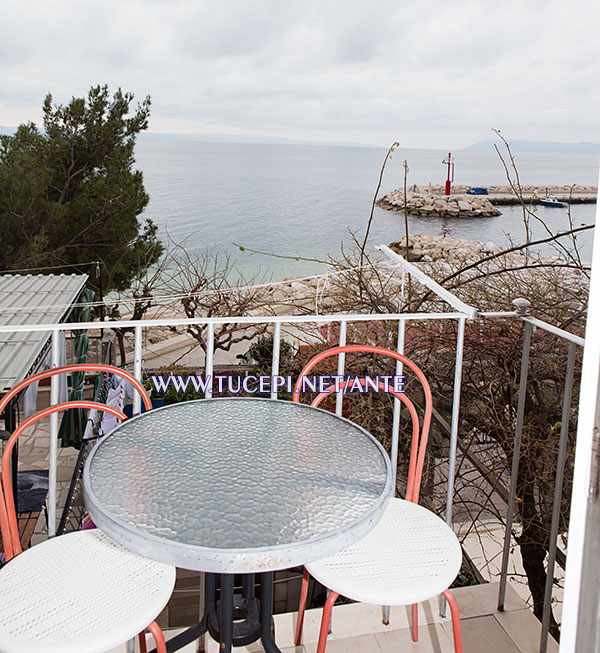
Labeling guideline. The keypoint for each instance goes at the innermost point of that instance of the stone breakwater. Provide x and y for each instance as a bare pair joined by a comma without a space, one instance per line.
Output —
434,247
499,195
431,201
427,203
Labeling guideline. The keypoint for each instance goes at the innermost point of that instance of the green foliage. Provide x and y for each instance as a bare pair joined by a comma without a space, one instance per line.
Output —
261,351
171,396
69,194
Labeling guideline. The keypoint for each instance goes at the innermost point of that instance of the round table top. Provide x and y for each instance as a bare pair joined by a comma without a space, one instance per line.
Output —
237,485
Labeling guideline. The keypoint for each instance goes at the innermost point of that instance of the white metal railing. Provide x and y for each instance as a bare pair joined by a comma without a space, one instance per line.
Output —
428,282
276,320
574,341
462,313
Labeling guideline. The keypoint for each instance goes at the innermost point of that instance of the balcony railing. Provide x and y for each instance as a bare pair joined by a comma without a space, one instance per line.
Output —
459,315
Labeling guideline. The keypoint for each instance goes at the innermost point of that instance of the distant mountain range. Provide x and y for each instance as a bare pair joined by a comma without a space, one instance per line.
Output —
538,147
517,147
242,138
227,138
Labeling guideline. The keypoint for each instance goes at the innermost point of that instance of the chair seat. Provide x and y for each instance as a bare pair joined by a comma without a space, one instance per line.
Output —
410,556
80,593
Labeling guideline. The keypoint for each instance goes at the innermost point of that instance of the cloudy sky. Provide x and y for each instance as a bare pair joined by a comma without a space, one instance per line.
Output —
426,73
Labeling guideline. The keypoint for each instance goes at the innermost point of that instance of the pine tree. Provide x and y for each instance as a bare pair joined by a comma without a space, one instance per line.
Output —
69,193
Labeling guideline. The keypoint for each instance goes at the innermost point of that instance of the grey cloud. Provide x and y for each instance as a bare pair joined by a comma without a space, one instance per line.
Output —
431,71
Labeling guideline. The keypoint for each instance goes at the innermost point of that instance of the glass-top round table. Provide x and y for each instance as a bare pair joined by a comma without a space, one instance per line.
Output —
237,485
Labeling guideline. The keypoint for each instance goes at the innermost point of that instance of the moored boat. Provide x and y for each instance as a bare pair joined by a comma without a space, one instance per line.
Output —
551,201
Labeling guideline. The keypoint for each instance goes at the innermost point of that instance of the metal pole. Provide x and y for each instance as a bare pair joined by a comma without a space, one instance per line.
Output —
396,417
266,612
515,462
53,454
275,359
257,319
201,643
248,586
137,368
100,289
226,613
558,486
208,367
395,438
10,424
339,398
458,363
460,343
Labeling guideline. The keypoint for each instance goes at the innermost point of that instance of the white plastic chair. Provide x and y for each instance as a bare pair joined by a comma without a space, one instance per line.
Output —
411,555
80,592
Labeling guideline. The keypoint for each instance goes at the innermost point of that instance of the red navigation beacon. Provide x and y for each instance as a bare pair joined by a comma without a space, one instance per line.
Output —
450,163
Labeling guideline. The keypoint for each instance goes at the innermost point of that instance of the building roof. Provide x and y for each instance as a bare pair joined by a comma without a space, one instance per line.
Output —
31,299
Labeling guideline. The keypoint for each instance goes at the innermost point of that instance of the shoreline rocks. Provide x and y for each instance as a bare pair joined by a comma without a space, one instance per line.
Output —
433,247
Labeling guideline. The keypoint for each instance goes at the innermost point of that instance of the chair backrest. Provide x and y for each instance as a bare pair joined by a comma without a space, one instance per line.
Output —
8,515
420,435
79,367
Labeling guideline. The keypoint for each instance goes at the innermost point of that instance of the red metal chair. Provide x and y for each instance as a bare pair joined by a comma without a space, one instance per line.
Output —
411,555
80,591
78,367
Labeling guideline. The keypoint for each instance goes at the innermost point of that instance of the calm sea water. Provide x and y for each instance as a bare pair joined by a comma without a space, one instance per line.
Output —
299,200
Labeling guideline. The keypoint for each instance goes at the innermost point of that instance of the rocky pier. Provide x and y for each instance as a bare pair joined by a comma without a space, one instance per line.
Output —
426,203
431,201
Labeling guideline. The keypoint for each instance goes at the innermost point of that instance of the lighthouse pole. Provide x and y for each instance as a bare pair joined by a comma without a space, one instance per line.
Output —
450,177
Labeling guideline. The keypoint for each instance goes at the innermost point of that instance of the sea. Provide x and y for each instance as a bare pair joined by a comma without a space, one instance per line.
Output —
297,202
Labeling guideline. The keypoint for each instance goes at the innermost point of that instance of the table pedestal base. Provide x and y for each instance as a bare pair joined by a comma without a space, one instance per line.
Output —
242,612
234,620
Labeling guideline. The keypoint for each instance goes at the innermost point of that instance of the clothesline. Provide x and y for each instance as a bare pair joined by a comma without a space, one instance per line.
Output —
51,267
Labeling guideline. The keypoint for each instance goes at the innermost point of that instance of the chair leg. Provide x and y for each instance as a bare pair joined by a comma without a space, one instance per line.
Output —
142,640
385,619
331,599
458,648
414,626
302,606
161,646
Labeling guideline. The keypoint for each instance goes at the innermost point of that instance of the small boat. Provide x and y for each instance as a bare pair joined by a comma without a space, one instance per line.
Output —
551,201
477,190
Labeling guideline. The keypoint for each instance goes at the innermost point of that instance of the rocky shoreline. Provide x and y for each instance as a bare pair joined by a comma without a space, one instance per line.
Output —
434,247
329,294
431,201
